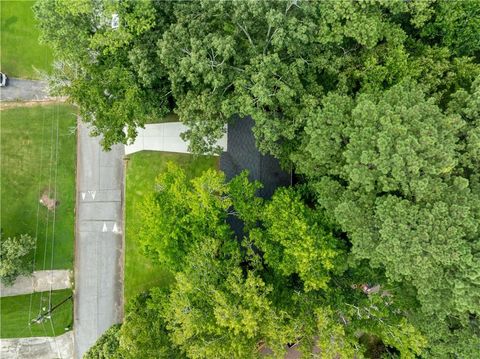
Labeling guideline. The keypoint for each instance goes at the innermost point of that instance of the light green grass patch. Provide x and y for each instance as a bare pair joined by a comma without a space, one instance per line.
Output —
21,52
16,315
29,168
142,170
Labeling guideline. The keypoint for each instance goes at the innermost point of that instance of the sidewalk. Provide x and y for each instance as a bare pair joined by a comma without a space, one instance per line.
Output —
39,282
38,347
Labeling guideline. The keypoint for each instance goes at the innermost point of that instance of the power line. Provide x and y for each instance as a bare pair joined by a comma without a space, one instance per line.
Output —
38,214
54,209
46,315
48,212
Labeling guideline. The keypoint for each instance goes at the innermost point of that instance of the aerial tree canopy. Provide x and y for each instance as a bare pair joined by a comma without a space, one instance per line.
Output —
374,104
397,173
286,279
112,74
208,61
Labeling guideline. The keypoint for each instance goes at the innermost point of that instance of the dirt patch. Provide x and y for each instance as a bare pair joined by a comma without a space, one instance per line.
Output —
14,104
50,203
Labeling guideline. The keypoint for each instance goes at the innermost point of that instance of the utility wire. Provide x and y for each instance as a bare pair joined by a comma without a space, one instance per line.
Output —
48,212
37,221
54,210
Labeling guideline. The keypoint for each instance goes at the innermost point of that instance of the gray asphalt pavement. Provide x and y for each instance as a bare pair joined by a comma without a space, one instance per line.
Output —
98,258
23,90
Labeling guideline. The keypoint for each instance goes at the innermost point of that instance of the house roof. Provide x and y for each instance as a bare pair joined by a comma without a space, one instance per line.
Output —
242,154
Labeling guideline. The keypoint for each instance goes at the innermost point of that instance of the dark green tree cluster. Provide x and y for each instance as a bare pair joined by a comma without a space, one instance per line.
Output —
376,106
400,176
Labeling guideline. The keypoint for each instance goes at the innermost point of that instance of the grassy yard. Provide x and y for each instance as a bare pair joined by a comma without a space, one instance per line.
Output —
16,315
29,170
143,168
20,51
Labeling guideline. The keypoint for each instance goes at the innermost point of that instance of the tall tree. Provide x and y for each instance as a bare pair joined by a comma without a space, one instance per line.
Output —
182,212
112,73
394,171
287,279
296,239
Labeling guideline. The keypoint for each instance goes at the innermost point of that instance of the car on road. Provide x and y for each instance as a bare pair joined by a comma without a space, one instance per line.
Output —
3,80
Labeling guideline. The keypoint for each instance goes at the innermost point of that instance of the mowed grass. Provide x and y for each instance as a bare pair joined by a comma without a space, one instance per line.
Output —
16,315
142,170
29,168
20,52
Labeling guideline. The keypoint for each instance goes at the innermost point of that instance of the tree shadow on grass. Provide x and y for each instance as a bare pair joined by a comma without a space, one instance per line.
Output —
8,23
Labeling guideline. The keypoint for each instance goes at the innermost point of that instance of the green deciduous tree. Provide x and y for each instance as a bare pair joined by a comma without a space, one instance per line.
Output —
182,212
216,309
287,279
107,346
456,25
296,239
143,333
112,74
15,257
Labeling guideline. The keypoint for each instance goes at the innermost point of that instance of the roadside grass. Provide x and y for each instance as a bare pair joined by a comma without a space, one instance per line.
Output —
142,170
16,315
21,52
27,156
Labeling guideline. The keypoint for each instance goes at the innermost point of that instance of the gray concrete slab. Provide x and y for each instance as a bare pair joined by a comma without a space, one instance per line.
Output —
164,137
38,347
39,281
98,258
24,90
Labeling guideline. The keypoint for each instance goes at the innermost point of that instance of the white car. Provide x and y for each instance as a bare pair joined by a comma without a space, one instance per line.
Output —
3,80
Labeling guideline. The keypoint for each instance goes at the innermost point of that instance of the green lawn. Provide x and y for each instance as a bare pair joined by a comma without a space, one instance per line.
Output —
20,51
142,169
16,315
28,169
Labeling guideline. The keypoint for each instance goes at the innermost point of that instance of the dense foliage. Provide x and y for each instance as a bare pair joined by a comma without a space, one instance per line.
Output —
375,104
240,296
15,257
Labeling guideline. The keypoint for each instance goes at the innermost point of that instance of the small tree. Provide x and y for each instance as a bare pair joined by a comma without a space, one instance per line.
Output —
14,253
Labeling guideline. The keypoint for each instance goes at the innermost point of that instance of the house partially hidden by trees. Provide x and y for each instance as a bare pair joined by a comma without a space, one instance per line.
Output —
375,104
243,154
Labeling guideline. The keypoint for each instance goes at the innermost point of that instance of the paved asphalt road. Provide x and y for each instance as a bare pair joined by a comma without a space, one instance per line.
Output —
98,257
23,90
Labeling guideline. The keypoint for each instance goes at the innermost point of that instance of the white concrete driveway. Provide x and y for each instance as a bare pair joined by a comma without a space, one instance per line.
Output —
164,137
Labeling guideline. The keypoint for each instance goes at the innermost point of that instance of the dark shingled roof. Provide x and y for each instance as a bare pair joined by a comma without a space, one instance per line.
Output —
242,154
